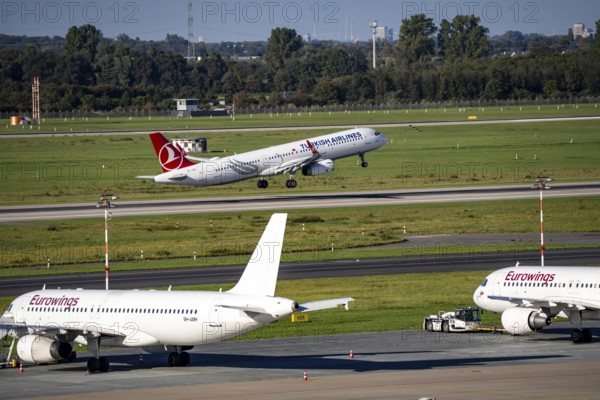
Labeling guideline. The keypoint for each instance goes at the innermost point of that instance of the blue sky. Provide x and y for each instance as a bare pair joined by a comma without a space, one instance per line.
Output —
222,20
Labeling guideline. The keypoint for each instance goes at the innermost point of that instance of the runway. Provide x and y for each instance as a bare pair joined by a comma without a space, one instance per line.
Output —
304,128
387,365
440,262
295,201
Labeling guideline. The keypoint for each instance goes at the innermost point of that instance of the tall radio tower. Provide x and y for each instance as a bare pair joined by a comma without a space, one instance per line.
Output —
191,52
35,99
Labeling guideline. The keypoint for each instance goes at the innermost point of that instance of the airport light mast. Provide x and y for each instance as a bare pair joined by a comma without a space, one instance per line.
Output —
373,25
106,204
541,180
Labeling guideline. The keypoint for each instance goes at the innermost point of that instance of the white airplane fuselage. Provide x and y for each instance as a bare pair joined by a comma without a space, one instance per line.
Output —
148,318
528,297
268,161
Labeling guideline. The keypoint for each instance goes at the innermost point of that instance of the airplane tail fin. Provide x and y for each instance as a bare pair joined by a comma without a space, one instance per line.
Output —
170,156
260,275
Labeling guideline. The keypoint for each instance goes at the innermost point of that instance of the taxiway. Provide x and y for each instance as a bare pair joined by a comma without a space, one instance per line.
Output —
387,365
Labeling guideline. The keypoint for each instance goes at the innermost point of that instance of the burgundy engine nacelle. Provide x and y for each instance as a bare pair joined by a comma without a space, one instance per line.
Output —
318,168
524,321
42,349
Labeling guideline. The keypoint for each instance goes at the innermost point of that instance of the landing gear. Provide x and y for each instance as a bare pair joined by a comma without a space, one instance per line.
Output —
262,184
99,364
291,183
581,335
179,359
363,163
96,363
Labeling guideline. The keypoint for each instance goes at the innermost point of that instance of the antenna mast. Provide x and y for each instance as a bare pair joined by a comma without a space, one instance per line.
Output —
35,99
191,52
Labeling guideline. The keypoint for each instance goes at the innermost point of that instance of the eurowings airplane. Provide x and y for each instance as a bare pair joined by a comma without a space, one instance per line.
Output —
529,297
48,322
312,157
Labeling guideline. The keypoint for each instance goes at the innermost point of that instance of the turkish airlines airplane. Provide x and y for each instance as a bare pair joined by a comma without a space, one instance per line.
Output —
312,157
529,297
48,322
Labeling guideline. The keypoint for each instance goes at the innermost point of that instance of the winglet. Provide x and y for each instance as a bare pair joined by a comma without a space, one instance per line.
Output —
260,276
169,156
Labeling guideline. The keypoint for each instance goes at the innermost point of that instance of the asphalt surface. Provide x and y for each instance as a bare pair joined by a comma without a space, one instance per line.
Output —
387,365
305,128
443,261
11,214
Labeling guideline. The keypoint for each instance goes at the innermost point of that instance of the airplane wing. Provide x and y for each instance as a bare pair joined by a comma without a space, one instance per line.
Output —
294,165
555,304
129,334
324,304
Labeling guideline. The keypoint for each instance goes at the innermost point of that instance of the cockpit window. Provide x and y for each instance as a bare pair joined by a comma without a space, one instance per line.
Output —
9,308
484,282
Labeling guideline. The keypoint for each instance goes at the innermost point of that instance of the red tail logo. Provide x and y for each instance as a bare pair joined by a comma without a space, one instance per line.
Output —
169,156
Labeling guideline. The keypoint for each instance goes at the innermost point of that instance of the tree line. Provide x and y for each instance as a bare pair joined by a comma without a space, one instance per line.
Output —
455,61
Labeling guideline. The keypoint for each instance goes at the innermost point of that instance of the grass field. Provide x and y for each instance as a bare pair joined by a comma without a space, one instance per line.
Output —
78,169
226,238
306,118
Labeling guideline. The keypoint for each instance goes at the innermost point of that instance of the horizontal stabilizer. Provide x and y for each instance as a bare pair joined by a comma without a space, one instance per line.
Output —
201,159
324,304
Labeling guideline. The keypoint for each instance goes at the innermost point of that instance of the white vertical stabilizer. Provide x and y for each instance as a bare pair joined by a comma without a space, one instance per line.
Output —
260,276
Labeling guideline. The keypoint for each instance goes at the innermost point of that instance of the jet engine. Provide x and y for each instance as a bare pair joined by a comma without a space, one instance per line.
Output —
318,168
524,321
42,349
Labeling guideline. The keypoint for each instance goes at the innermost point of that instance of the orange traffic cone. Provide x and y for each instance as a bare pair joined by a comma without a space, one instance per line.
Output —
21,368
305,375
351,354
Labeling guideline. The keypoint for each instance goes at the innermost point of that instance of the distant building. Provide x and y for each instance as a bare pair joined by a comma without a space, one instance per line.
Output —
185,107
191,145
189,108
580,31
307,37
384,33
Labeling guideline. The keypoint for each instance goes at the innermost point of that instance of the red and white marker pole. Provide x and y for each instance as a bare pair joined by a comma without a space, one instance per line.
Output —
105,203
542,222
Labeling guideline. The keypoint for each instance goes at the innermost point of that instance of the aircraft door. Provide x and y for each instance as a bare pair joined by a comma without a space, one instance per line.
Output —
20,312
369,138
497,284
214,316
